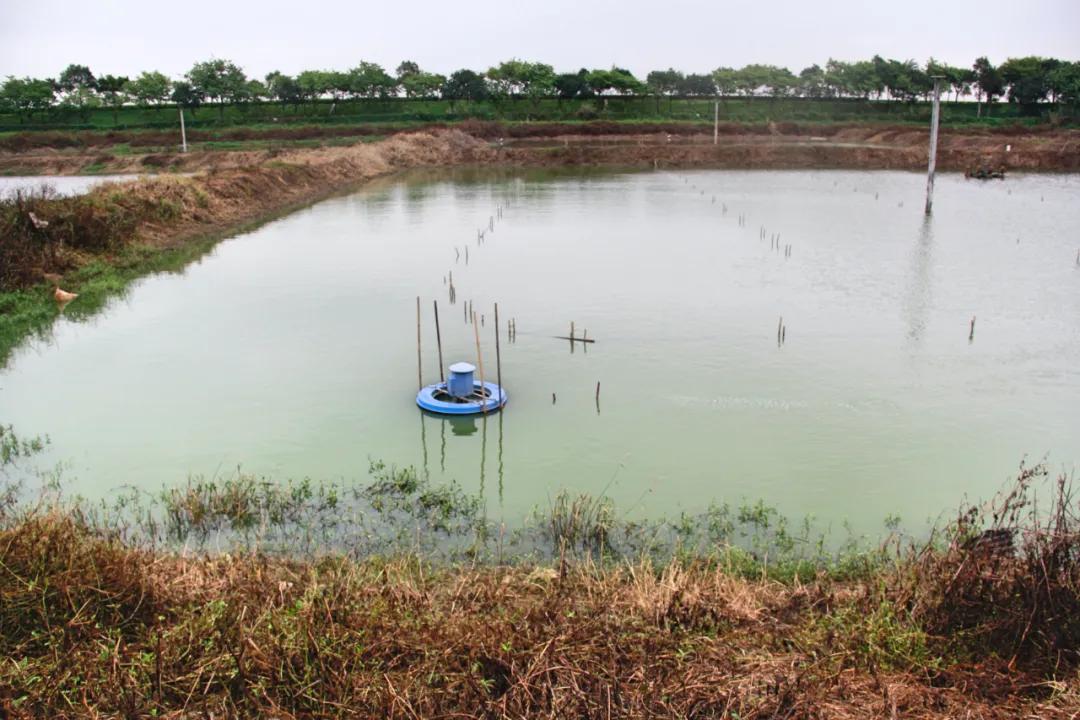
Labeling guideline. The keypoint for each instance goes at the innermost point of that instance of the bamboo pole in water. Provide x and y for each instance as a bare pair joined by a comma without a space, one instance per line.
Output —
438,340
480,365
934,119
419,365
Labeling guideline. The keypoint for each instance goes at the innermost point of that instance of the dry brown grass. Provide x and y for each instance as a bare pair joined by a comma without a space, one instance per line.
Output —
93,627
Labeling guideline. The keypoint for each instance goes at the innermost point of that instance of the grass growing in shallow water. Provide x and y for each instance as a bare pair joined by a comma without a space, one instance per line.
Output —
398,598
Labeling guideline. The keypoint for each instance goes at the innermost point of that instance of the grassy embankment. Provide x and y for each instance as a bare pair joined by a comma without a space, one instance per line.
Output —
96,244
400,599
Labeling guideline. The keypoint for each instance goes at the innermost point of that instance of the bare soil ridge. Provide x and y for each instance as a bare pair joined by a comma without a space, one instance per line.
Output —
769,145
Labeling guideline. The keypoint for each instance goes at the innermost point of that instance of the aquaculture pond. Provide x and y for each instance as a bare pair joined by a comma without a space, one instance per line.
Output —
290,351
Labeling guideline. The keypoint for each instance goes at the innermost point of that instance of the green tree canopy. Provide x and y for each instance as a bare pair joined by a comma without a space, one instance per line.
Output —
520,77
1027,78
618,81
28,95
407,68
697,85
150,88
664,82
186,95
988,80
726,80
219,80
255,90
573,85
422,84
465,85
774,80
313,83
76,76
283,88
113,90
1064,82
812,82
370,80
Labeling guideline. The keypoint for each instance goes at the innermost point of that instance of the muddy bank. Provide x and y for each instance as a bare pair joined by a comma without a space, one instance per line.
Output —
44,237
98,243
855,149
767,145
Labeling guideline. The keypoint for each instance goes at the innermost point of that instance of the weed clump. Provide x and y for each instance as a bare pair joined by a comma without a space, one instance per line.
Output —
1004,577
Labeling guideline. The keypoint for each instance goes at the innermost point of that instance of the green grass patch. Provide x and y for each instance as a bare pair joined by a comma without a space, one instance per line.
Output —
31,312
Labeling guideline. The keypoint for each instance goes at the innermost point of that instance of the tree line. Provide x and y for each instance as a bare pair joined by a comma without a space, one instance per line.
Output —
1025,80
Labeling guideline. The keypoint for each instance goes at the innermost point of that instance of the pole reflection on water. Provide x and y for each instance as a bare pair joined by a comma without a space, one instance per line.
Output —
464,426
918,298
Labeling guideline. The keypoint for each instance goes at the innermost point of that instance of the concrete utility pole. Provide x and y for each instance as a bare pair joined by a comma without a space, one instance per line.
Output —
934,118
183,132
716,123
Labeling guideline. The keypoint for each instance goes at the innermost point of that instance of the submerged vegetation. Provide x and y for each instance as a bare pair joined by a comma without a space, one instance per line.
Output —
398,597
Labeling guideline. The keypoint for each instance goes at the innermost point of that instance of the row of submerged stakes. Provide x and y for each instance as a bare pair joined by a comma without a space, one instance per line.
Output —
471,317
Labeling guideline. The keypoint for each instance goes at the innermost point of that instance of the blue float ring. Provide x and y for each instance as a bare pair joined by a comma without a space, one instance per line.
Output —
428,400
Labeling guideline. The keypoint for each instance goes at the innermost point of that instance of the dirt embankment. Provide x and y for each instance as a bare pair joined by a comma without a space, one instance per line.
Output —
45,237
232,188
766,145
857,148
277,180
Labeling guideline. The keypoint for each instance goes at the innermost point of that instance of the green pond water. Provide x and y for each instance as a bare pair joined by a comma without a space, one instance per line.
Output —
290,351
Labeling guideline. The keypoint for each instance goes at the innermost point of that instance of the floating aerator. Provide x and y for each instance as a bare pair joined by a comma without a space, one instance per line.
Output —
461,394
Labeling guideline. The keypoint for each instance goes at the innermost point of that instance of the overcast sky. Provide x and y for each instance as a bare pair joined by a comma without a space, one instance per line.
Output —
123,37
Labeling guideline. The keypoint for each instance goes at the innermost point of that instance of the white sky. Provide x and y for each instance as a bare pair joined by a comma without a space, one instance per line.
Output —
123,37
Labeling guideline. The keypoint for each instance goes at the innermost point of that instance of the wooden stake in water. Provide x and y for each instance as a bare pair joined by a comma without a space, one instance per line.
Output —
419,365
971,332
597,397
498,357
779,329
438,340
934,119
480,365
